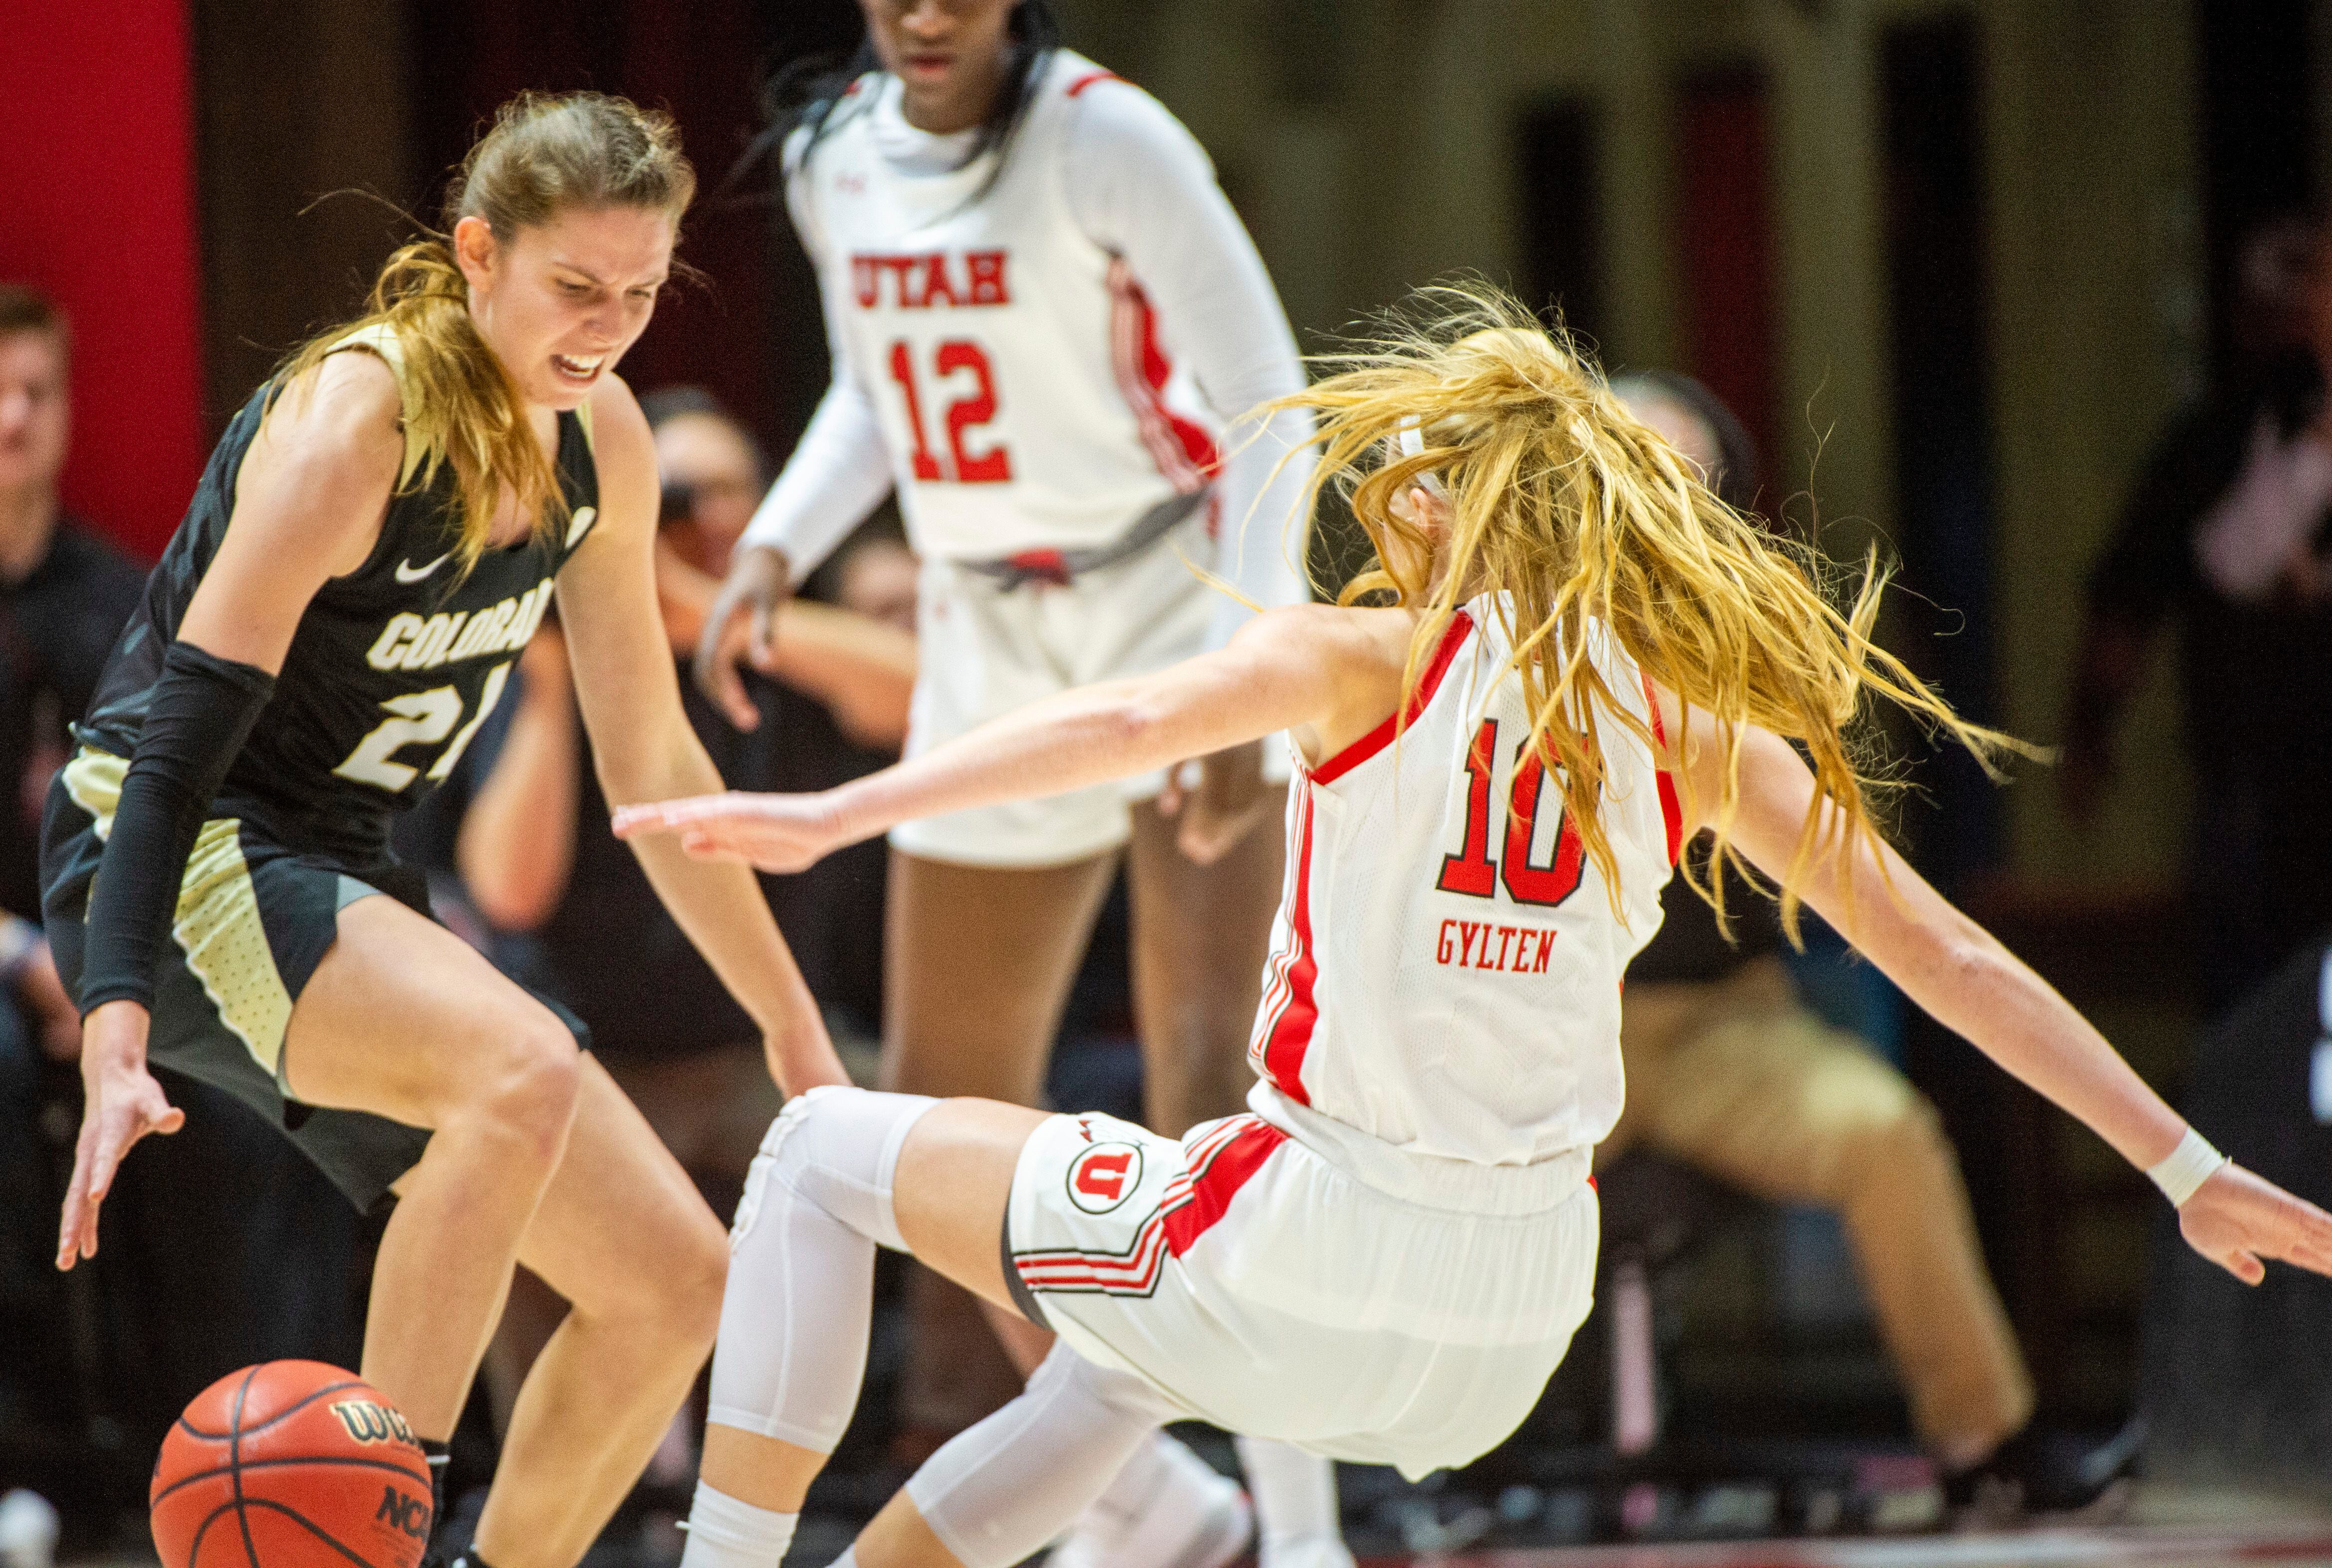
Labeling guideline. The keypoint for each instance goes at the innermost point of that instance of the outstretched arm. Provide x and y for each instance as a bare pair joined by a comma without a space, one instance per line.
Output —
1973,985
1324,674
645,750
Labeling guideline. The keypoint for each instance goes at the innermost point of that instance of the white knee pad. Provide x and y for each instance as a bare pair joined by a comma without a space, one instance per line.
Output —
997,1492
840,1149
794,1320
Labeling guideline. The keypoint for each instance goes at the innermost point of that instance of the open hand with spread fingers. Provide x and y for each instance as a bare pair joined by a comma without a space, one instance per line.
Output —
2236,1220
121,1103
769,832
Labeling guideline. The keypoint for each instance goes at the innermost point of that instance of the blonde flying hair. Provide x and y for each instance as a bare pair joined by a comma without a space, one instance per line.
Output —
1568,510
545,153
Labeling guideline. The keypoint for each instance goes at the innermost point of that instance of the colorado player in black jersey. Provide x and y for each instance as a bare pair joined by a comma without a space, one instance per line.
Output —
377,535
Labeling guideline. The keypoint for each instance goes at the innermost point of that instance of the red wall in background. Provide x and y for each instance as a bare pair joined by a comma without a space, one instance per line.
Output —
97,208
1725,229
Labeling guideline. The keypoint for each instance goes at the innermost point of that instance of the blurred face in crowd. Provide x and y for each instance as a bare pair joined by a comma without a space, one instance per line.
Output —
708,458
878,579
35,418
1682,428
559,301
949,56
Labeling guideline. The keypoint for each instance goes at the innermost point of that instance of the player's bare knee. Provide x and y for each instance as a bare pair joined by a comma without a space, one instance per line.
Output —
670,1284
531,1087
698,1276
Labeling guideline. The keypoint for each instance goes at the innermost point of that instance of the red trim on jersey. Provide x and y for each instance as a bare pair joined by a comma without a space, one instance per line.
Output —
1671,813
1279,1055
1185,454
1212,1191
1460,625
1089,78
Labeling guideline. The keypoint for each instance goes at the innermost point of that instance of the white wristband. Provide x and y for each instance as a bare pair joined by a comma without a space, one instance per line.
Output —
2185,1168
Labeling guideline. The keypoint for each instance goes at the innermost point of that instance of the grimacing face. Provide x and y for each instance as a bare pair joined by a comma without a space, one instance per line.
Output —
35,410
559,302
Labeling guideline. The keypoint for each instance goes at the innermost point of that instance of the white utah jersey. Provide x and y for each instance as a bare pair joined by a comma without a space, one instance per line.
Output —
1015,365
1445,970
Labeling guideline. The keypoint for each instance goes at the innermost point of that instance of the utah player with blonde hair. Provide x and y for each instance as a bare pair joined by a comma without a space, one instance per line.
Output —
377,534
1583,659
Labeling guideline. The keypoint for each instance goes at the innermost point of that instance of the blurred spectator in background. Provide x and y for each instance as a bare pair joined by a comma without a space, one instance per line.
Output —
1730,1072
2224,533
564,906
93,1370
64,598
64,594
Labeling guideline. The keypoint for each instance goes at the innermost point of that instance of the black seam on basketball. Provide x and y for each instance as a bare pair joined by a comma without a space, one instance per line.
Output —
314,1528
291,1410
235,1465
195,1551
351,1459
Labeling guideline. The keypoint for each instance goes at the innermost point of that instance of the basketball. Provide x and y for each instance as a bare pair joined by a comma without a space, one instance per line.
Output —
287,1464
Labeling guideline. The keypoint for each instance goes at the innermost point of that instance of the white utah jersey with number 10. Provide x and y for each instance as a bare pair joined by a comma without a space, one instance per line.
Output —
1015,365
1445,972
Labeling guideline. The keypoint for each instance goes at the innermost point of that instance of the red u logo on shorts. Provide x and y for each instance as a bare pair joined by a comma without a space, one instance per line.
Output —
1105,1176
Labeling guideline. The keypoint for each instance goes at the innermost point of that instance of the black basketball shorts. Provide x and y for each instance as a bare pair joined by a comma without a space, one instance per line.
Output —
254,919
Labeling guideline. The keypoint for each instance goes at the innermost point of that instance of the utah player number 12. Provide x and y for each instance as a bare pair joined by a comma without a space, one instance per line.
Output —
993,466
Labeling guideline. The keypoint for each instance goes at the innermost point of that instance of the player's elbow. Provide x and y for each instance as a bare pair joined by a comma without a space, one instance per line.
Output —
1130,724
516,899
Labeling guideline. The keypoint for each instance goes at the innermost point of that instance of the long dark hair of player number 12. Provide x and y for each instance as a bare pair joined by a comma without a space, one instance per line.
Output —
545,153
811,92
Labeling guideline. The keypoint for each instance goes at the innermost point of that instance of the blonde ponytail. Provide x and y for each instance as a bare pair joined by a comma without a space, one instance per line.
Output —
543,154
1569,513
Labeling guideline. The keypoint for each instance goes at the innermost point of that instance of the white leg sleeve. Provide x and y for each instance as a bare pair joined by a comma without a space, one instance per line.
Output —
997,1491
1295,1494
793,1324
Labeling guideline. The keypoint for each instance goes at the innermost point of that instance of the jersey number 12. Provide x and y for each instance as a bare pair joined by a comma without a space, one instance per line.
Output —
965,415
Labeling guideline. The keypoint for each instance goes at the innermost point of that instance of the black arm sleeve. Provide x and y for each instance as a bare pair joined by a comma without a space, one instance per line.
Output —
201,712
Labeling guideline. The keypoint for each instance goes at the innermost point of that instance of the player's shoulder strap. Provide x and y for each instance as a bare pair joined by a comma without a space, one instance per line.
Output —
379,339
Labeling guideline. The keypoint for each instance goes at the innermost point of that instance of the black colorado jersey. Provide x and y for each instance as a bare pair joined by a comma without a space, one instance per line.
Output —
393,667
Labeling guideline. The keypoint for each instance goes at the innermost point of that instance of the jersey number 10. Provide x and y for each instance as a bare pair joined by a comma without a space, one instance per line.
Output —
1471,871
965,415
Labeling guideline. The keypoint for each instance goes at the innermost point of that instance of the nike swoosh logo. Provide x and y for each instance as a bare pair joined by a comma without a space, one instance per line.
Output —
585,516
407,572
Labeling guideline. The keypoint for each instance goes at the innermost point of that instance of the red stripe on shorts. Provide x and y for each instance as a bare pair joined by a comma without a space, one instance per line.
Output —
1212,1191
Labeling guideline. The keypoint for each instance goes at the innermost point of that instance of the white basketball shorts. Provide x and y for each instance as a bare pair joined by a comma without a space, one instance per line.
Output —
985,649
1263,1289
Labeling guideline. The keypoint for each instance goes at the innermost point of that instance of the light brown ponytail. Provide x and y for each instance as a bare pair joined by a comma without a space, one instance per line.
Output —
543,154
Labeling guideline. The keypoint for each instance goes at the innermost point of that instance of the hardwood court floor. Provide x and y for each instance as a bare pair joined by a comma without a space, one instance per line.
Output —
2163,1529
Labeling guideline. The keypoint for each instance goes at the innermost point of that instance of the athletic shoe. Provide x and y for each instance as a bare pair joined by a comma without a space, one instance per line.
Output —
2042,1473
1193,1518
